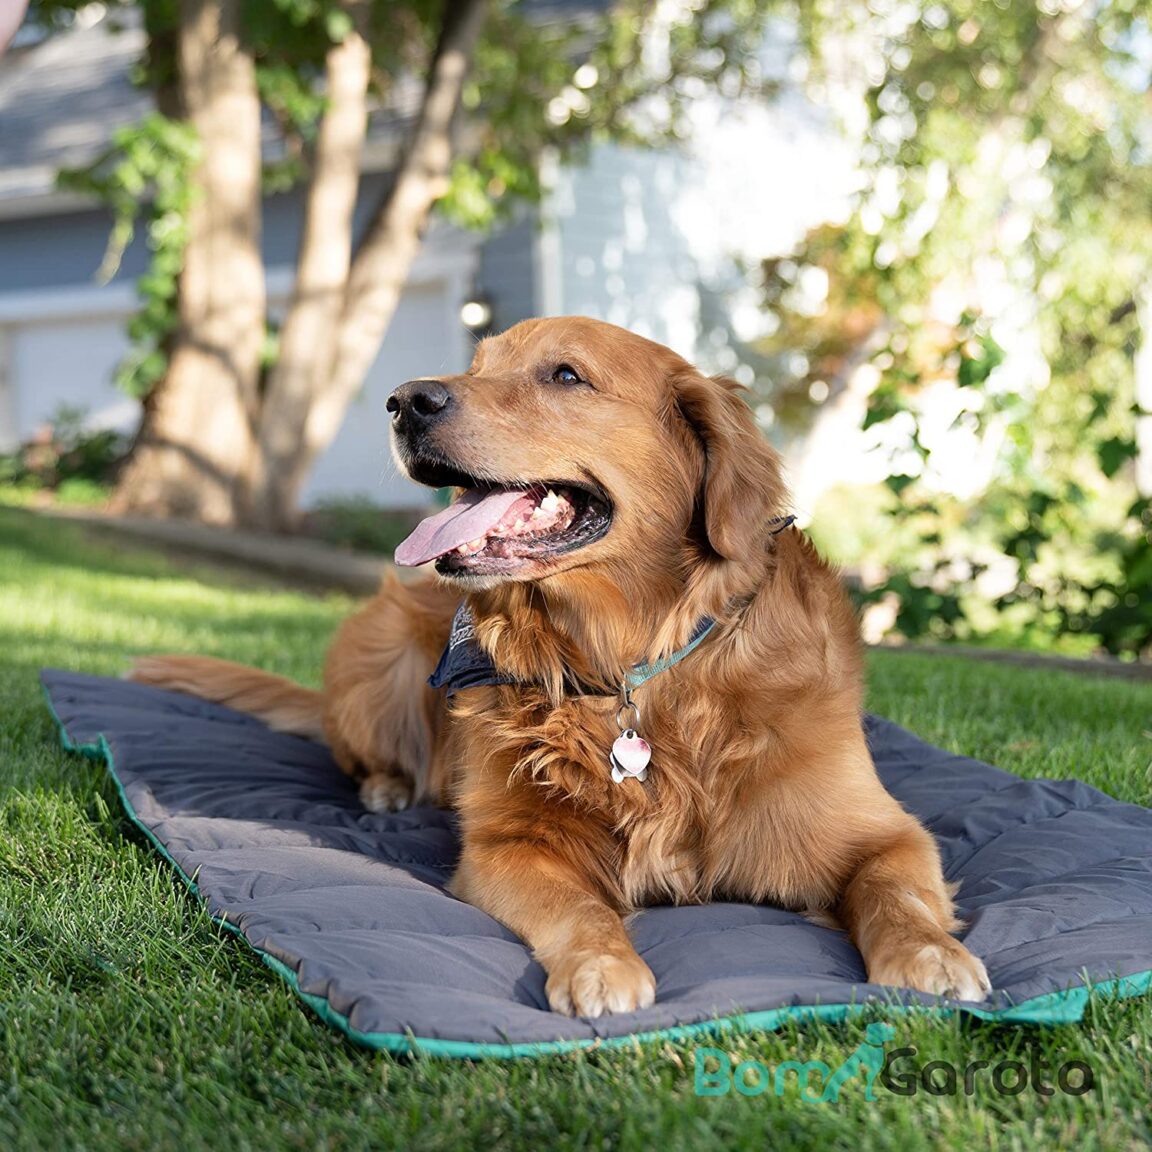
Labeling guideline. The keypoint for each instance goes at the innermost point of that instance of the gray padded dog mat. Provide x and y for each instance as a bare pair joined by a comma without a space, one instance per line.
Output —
349,906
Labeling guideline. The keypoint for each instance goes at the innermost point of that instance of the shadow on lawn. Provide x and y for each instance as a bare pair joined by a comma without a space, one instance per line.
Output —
38,540
83,548
65,545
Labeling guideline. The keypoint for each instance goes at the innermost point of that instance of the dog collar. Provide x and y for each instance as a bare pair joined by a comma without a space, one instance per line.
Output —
464,664
642,673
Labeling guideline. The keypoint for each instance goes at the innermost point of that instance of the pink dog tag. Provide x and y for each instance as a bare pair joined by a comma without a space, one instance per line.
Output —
629,757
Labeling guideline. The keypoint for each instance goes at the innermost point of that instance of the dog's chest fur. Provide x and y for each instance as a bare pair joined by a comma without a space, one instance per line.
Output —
657,832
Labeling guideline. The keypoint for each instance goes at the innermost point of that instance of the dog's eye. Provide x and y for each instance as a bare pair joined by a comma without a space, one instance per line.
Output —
566,374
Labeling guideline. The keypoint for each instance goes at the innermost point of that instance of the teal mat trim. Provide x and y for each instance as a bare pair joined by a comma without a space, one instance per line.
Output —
1065,1007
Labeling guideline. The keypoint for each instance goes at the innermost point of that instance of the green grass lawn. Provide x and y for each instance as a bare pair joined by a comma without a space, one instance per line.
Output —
129,1020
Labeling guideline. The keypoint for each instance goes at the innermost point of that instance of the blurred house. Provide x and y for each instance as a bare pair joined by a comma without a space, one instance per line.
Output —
659,242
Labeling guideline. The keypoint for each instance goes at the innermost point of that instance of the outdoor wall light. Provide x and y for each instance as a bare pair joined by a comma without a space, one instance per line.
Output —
476,313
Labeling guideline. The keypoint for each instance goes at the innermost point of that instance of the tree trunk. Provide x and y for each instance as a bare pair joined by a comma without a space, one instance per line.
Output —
377,275
198,429
308,335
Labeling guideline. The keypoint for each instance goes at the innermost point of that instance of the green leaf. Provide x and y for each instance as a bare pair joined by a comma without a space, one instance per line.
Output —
898,483
978,360
1113,453
883,404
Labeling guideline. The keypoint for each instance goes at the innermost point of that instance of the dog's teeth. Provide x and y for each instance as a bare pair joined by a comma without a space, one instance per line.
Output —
476,545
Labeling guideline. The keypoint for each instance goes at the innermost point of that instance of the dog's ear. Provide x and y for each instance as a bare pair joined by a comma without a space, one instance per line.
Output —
743,486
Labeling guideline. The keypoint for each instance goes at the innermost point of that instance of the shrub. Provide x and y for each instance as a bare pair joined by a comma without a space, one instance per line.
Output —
66,457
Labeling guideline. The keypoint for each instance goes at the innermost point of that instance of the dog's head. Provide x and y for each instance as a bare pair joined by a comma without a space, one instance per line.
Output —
575,443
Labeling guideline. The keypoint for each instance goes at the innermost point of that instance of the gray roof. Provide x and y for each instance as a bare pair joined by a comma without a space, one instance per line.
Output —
61,100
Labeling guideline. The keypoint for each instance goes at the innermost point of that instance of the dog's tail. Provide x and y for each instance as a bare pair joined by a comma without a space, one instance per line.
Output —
279,702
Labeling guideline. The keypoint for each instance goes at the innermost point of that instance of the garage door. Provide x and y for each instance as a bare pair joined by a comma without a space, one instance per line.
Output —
66,365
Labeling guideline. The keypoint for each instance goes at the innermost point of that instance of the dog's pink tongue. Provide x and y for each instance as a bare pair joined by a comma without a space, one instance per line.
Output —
474,515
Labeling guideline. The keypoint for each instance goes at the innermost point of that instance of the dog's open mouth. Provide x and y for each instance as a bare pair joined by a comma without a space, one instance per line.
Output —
497,530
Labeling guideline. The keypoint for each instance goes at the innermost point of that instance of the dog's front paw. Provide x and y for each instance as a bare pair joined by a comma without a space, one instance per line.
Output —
591,984
385,792
945,968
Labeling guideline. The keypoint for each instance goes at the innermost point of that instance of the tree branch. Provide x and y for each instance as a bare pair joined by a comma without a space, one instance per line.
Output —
392,241
308,335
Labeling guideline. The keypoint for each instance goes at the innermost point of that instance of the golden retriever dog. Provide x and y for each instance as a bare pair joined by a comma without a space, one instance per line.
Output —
613,507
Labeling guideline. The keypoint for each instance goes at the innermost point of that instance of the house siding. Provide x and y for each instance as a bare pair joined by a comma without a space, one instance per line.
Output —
622,255
61,251
507,272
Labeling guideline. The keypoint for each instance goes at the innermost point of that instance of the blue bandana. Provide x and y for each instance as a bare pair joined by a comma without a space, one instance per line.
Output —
463,663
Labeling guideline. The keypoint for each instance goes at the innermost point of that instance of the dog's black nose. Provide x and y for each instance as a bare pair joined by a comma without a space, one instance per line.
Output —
417,404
